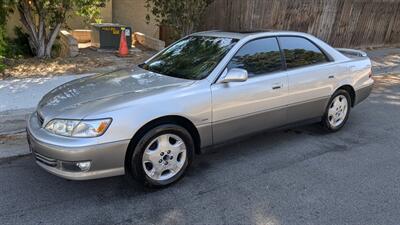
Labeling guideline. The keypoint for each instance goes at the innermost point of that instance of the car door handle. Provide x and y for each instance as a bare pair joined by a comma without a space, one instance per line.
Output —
331,77
275,87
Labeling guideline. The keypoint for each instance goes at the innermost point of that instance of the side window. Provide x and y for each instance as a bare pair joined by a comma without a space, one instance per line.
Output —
258,57
300,52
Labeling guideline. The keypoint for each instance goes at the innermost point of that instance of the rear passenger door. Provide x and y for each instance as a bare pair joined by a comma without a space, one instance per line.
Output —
310,77
259,103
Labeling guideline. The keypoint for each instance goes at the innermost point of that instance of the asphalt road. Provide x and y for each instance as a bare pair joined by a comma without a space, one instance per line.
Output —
297,176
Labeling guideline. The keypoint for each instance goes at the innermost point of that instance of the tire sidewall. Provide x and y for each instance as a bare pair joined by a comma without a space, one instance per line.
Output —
136,164
325,120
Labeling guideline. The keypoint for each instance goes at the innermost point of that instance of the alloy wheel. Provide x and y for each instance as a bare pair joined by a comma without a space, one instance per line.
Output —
337,111
164,157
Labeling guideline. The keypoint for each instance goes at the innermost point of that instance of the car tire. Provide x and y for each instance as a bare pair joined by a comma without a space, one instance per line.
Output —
337,111
162,155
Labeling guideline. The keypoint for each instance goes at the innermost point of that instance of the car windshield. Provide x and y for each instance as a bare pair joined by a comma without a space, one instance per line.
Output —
191,58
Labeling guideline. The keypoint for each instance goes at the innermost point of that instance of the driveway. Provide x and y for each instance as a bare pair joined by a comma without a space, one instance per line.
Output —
296,176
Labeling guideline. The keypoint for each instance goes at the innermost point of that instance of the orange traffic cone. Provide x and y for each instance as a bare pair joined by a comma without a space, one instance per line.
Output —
123,46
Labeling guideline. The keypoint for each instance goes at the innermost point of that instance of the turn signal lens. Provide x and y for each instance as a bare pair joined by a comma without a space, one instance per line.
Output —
102,127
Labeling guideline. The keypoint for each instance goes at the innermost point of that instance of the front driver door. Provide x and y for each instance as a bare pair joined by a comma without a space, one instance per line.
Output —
241,108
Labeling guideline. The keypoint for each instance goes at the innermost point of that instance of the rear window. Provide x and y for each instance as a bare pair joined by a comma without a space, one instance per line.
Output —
301,52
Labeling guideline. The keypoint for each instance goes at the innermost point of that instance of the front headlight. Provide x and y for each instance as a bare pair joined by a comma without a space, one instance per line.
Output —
78,128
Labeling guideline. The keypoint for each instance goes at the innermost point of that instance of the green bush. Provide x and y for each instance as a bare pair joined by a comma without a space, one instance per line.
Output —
3,43
56,49
19,46
13,48
2,65
3,48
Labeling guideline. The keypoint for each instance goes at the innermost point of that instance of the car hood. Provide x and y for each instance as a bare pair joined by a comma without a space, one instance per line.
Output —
80,97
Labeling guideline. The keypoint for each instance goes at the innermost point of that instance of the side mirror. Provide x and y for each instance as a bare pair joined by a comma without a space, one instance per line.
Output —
235,75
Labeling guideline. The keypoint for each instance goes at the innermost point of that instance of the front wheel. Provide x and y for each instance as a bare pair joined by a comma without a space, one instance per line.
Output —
337,111
162,155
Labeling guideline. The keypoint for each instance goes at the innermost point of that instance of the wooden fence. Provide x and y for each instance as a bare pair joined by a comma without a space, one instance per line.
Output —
342,23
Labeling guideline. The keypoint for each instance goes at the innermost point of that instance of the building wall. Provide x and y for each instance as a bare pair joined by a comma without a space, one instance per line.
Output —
12,21
345,23
133,13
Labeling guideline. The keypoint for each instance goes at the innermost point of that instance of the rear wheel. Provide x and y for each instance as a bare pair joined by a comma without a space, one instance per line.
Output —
162,155
337,111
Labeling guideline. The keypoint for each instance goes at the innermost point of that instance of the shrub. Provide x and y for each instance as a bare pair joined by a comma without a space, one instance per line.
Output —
3,46
56,49
19,46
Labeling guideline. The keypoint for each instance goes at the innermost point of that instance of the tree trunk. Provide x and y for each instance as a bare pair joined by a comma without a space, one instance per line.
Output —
28,22
40,51
40,43
51,40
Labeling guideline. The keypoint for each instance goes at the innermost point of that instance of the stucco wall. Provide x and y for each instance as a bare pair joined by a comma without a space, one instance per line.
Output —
133,13
12,21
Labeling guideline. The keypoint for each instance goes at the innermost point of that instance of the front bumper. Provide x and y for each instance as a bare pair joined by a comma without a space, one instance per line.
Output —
51,152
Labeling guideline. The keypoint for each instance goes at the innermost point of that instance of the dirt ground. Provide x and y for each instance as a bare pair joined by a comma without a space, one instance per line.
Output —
89,60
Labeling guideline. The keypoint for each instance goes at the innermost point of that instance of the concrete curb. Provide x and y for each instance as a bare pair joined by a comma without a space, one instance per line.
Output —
12,133
13,121
13,145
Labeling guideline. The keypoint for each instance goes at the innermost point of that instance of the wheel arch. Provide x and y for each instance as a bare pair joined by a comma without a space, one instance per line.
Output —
351,92
175,119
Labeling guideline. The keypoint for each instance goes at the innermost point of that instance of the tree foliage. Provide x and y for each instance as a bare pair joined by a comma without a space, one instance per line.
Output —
91,12
5,9
300,57
258,63
184,16
2,48
42,19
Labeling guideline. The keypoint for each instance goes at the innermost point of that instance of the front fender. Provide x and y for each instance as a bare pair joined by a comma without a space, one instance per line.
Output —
194,105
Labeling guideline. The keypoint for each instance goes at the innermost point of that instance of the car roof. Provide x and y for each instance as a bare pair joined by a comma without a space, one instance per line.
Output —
244,33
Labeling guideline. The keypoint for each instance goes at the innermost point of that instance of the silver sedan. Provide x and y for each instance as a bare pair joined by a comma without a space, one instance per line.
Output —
205,89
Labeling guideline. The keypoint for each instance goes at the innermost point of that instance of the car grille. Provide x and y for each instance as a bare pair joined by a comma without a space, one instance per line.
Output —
45,160
40,119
